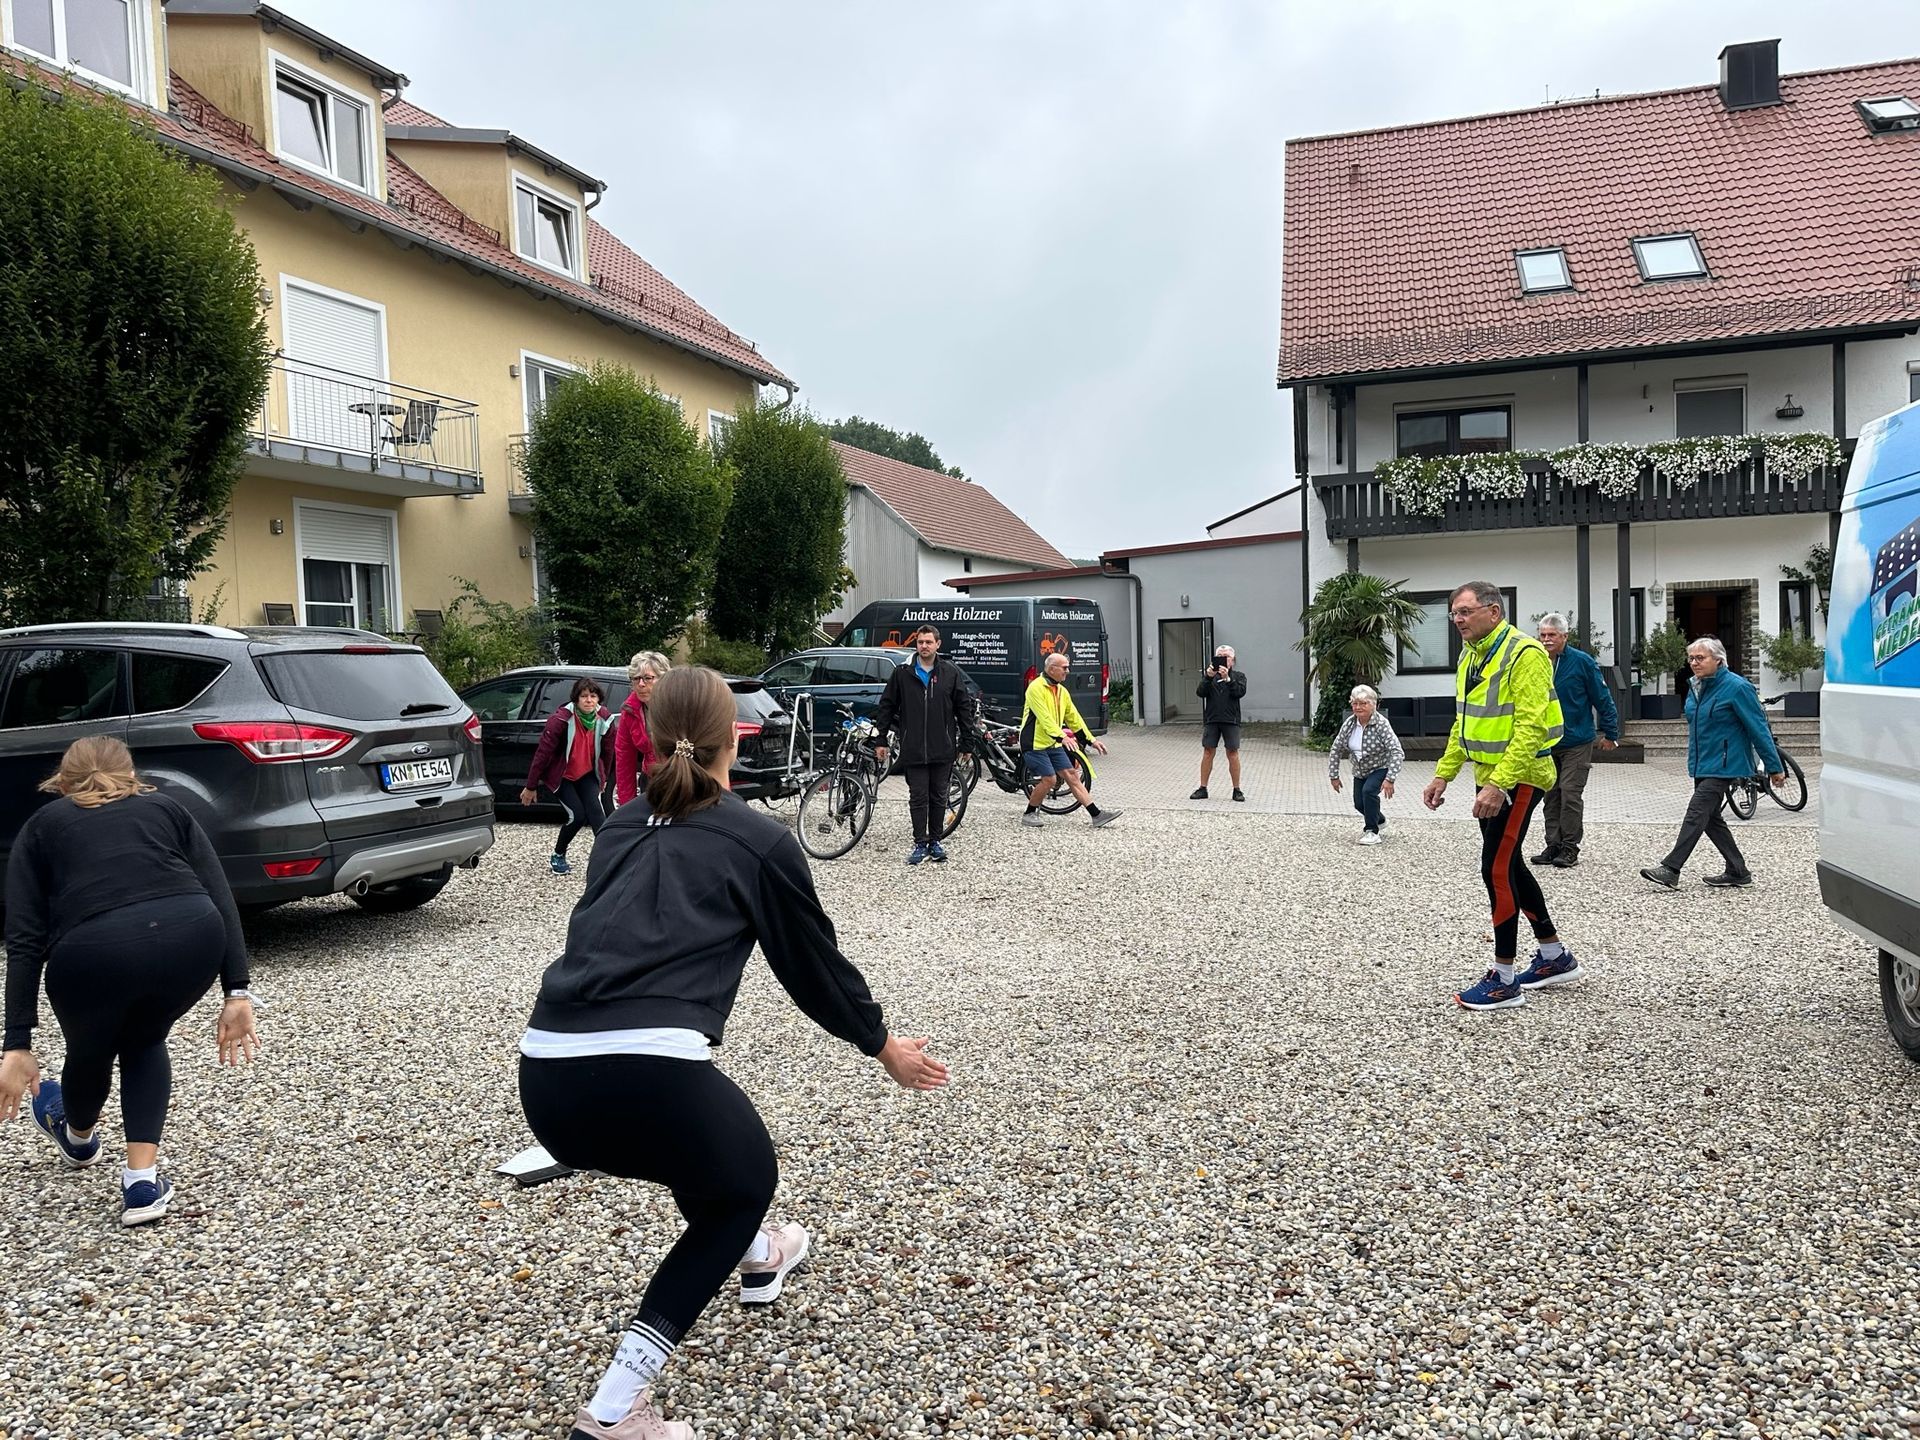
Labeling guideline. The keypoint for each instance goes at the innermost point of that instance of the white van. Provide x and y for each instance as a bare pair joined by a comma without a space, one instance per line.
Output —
1870,716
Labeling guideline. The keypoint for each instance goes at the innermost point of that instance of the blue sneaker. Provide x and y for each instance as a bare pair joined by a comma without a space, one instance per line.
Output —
917,854
936,852
145,1201
1557,971
559,864
1492,993
50,1115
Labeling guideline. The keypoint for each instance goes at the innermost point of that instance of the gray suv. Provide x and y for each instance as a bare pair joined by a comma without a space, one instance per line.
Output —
318,761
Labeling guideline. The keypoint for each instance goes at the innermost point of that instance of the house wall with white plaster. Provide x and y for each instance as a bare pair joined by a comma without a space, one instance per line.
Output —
933,568
1269,517
1252,595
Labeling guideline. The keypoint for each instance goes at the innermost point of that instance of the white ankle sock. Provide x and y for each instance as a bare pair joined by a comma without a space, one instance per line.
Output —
1551,949
1504,969
642,1355
129,1176
76,1138
760,1251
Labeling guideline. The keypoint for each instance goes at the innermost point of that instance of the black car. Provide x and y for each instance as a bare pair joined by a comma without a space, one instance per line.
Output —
515,706
317,760
835,675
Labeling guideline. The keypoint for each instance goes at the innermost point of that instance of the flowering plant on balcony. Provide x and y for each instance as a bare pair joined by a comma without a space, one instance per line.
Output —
1613,470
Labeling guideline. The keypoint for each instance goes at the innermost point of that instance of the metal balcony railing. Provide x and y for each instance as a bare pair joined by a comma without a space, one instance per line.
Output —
519,487
388,422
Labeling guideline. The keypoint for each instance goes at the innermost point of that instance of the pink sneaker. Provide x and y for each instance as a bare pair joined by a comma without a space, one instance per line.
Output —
643,1422
761,1281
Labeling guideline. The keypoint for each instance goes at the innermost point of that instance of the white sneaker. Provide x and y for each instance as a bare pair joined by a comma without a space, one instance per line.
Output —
1034,820
1369,837
761,1281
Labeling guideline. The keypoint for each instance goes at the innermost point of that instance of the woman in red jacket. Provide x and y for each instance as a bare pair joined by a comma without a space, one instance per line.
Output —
571,762
632,746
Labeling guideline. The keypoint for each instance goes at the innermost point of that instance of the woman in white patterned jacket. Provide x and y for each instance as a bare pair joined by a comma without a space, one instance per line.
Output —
1368,740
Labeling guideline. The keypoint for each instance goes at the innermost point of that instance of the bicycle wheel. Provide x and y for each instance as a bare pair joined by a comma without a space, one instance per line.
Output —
835,810
1062,801
1742,799
959,791
968,765
1791,793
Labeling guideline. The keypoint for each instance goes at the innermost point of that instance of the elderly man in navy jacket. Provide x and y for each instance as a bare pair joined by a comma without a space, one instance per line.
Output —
1583,692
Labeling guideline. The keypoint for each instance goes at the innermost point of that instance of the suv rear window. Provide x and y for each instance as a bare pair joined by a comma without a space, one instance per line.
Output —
382,686
754,704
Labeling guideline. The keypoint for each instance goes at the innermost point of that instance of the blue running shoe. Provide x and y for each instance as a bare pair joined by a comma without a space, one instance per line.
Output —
936,852
1492,993
917,854
145,1201
1563,968
50,1115
559,864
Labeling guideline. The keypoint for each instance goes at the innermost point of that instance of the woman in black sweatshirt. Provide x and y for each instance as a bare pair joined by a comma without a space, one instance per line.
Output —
616,1073
117,895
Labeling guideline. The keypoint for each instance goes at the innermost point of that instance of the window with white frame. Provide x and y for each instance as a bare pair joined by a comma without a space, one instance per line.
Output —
719,425
546,227
318,127
98,38
542,378
346,567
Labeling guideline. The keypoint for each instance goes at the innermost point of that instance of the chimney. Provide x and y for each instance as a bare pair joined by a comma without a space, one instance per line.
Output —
1750,75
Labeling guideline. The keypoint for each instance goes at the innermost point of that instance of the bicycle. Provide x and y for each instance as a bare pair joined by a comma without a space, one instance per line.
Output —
994,750
1743,796
836,802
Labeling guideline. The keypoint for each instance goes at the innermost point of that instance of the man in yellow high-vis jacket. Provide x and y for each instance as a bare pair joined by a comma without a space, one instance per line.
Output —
1507,721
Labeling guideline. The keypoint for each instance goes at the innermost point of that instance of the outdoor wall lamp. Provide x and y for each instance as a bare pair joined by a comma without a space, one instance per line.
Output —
1789,411
1656,594
513,372
265,297
276,527
1183,602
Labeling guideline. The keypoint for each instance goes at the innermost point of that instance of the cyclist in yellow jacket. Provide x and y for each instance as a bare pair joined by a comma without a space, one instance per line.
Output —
1507,721
1051,731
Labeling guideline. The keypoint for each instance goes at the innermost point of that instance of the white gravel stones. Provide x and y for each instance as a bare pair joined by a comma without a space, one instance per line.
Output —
1220,1159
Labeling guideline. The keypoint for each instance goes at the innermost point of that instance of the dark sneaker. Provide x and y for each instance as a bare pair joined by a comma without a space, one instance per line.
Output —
559,864
1545,857
1240,795
1199,794
917,854
1492,993
1728,880
1105,817
50,1118
1566,859
761,1281
936,852
145,1201
1560,970
1661,875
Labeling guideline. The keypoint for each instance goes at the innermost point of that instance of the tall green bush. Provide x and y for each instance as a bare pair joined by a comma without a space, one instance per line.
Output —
479,638
133,358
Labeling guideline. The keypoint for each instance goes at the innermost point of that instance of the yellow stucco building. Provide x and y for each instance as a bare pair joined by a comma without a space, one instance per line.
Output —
425,285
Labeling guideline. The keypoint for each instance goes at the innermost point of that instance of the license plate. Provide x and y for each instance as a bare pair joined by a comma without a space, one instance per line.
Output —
414,774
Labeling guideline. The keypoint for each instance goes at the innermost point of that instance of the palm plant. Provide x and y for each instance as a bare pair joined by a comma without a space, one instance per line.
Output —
1354,624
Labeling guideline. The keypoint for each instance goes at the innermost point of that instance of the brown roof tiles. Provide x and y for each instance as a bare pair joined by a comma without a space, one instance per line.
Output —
949,514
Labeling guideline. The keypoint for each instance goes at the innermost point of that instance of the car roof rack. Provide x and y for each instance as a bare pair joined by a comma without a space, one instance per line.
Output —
137,627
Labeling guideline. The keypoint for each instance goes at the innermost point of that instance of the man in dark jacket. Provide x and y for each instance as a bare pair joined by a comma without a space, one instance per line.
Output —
1583,693
928,703
1221,687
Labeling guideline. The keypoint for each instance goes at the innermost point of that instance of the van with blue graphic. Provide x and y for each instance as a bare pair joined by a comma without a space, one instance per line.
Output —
1870,716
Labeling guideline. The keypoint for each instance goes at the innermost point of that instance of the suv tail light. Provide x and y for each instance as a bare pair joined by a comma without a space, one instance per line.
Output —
292,869
274,742
472,727
1106,676
743,728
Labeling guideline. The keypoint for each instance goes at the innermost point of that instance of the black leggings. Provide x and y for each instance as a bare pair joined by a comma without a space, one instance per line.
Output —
677,1123
1510,884
581,799
117,983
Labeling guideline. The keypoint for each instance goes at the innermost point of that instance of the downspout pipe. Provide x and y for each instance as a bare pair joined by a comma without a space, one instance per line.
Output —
1300,468
1139,652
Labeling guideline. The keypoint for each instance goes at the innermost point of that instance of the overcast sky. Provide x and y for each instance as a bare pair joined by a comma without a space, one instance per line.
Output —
1045,235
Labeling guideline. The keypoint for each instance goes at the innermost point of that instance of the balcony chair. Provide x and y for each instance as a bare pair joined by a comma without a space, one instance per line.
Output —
416,427
277,614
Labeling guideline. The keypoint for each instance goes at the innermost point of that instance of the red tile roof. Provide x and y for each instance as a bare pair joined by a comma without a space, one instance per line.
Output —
949,514
626,289
1400,243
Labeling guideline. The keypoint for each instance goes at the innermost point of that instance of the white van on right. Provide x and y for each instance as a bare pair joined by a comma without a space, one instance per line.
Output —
1870,716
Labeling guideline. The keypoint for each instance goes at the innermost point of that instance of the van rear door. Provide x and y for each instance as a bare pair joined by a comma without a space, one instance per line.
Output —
1078,628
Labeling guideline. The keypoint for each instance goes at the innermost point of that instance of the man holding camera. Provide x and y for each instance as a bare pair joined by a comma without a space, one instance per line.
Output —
1221,687
926,701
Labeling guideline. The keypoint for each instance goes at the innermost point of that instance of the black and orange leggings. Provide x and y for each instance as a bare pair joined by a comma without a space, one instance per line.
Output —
1510,884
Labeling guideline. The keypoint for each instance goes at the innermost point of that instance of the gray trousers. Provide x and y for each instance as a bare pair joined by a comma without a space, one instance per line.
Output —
1704,817
1566,804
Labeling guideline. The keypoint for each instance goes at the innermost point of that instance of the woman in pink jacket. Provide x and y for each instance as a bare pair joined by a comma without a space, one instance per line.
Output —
632,746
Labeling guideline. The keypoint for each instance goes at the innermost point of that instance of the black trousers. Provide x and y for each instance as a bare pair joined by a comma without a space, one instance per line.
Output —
927,799
1510,884
117,983
1704,817
677,1123
581,800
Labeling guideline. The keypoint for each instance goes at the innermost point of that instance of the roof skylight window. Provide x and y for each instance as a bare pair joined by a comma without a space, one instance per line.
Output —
1542,270
1890,112
1668,257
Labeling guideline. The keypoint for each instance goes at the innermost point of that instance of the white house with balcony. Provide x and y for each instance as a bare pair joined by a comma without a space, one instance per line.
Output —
1708,290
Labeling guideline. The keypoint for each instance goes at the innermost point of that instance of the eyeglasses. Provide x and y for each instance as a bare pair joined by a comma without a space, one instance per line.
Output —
1698,659
1468,610
645,679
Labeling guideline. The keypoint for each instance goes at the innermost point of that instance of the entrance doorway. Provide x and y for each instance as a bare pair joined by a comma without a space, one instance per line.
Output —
1184,648
1721,613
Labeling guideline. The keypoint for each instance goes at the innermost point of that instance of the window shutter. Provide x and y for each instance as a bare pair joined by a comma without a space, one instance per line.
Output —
345,535
323,330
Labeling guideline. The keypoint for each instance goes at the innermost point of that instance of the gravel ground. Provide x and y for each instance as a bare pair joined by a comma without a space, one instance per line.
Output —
1221,1161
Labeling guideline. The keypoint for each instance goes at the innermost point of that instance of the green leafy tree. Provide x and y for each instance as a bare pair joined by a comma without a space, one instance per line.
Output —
1663,654
1351,630
1818,571
133,357
627,505
781,562
729,657
479,638
871,435
1791,653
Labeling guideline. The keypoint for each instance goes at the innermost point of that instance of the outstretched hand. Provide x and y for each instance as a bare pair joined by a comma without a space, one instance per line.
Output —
19,1075
907,1061
235,1035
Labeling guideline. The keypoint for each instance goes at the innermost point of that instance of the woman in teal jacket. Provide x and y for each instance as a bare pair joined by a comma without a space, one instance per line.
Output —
1726,729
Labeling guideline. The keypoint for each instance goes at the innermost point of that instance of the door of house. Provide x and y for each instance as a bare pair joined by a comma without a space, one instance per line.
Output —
1184,646
1720,613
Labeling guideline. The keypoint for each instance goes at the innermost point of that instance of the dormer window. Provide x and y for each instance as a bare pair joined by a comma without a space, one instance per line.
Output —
1543,270
319,128
99,38
1890,112
546,227
1669,257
